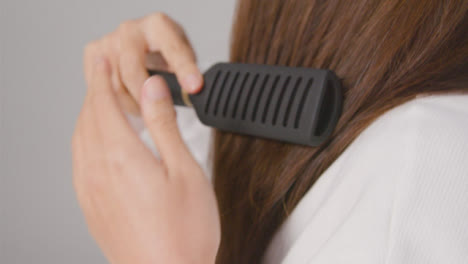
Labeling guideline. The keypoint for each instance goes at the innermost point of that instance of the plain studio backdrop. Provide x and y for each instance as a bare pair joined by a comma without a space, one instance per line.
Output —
41,92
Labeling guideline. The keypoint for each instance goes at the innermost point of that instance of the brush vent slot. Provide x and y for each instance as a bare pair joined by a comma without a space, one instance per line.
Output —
272,100
232,87
249,96
280,99
300,109
221,90
326,110
239,93
290,102
211,91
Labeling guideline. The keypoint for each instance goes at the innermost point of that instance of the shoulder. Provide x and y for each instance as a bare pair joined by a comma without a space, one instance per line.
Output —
426,117
429,208
401,187
422,146
422,130
434,115
429,132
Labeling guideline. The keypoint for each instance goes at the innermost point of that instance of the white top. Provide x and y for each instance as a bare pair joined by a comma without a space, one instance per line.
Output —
398,194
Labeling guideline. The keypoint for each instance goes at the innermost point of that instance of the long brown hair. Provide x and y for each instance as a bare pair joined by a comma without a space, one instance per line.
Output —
385,51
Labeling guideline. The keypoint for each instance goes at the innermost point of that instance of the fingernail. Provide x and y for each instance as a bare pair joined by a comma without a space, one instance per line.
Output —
193,82
154,90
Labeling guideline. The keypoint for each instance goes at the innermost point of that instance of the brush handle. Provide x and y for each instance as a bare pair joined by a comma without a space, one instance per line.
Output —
173,84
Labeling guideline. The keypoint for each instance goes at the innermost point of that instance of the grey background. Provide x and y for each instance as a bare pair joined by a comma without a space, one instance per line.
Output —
41,90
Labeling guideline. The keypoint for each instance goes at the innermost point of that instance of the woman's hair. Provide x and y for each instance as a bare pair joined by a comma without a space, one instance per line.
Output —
386,52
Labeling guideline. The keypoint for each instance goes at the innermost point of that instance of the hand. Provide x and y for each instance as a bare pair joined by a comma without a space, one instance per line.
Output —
153,42
138,208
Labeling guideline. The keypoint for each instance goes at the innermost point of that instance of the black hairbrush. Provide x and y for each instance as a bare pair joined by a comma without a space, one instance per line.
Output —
295,105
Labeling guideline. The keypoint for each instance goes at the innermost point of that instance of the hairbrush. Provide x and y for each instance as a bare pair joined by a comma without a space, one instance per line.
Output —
290,104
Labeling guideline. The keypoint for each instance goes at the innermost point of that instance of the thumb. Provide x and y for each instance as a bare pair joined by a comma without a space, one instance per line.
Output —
160,118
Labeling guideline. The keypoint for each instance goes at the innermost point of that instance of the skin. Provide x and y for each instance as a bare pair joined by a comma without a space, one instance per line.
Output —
141,209
153,42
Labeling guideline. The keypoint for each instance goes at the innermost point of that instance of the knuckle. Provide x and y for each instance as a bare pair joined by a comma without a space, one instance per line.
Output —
107,42
159,17
126,27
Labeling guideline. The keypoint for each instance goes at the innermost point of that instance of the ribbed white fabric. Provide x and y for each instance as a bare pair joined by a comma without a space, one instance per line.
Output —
398,194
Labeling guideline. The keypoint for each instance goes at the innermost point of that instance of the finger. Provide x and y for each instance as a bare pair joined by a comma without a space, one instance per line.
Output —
126,100
128,103
77,150
77,142
165,35
105,107
132,58
160,118
87,151
155,61
90,137
91,51
106,47
120,142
